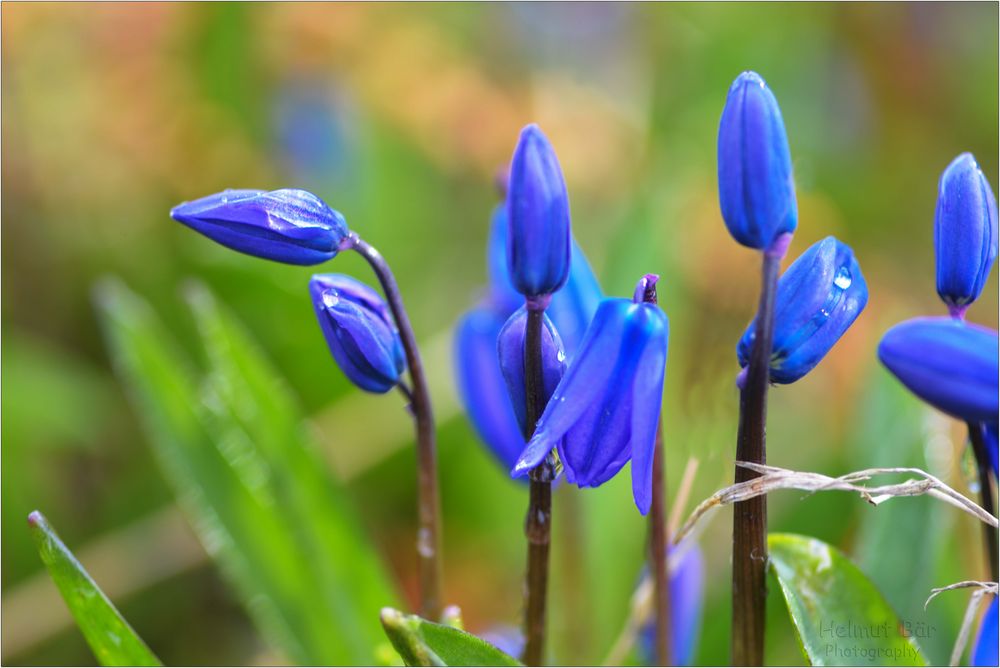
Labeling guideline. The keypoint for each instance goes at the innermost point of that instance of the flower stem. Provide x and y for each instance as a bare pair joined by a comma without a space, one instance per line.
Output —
658,530
985,493
750,517
538,522
428,499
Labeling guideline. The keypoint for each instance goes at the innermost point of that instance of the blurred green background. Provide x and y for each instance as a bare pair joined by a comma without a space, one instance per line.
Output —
399,116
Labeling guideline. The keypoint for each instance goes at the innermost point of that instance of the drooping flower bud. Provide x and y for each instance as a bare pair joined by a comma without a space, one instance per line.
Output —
985,650
510,351
538,255
291,226
756,190
687,590
605,410
819,296
965,233
950,364
359,331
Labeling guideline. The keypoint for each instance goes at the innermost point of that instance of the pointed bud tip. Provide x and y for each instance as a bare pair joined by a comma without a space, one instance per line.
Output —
35,519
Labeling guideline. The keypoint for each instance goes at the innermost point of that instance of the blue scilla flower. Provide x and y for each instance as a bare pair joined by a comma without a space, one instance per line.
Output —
291,226
605,410
510,352
986,651
965,232
359,331
818,298
687,589
756,191
950,364
538,254
572,306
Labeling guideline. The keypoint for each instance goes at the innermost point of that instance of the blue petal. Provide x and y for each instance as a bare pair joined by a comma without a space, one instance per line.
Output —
756,191
647,397
965,231
949,364
574,304
481,386
985,651
538,214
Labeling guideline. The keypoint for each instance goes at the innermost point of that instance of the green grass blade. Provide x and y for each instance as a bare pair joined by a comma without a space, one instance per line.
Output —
112,640
423,643
351,581
239,502
839,615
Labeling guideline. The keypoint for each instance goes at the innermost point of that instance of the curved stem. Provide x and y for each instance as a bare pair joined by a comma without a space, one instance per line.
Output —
428,499
750,517
538,522
985,494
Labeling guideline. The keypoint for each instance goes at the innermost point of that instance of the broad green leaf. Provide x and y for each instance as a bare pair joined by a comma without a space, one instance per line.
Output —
112,640
307,575
423,643
840,617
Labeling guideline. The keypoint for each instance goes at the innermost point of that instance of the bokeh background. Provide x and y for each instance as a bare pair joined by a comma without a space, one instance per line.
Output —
399,116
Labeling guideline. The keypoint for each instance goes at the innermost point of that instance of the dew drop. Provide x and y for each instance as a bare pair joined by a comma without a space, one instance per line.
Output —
561,356
843,278
330,299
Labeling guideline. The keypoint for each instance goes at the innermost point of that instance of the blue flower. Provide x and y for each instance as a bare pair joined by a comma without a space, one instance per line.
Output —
359,331
481,385
687,589
965,232
819,296
605,409
291,226
950,364
510,351
985,651
756,191
538,254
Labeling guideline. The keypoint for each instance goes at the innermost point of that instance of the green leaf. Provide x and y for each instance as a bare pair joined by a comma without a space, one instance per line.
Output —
840,617
234,447
111,638
423,643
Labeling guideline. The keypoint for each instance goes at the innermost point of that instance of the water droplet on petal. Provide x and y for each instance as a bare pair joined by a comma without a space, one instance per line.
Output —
330,299
843,278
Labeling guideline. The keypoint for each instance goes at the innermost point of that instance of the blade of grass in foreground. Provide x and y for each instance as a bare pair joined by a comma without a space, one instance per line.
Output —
238,476
112,640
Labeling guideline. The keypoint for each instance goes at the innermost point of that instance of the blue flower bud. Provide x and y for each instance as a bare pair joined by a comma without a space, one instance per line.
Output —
756,191
605,410
510,351
291,226
819,296
481,386
572,306
687,589
359,330
950,364
965,232
986,650
538,254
